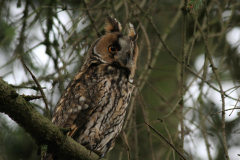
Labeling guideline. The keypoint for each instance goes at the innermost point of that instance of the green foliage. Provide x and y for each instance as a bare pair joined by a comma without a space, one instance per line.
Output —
194,5
7,34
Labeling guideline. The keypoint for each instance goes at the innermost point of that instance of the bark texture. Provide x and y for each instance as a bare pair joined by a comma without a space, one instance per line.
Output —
41,129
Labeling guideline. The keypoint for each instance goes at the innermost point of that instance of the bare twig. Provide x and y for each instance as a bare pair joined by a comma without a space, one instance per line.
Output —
225,110
135,134
169,136
146,119
148,46
91,19
170,52
145,74
124,138
214,69
130,108
157,92
29,98
182,83
193,41
32,87
180,154
235,106
202,116
47,113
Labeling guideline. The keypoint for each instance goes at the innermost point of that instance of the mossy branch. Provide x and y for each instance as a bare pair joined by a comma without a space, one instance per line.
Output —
40,128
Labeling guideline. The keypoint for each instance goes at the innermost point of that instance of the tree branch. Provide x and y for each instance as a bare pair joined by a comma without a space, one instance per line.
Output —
39,127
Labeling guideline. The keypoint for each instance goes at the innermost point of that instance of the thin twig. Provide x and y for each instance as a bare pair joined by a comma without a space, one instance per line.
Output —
235,106
171,53
193,41
29,98
32,87
139,125
166,141
157,92
135,133
146,119
130,106
47,113
202,116
225,110
177,103
148,45
214,69
124,138
91,19
169,136
182,84
145,74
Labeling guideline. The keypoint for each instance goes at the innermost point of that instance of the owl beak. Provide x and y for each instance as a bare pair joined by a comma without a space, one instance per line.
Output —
124,59
127,58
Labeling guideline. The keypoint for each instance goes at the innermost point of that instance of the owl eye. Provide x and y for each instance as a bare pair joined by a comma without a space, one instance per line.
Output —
112,49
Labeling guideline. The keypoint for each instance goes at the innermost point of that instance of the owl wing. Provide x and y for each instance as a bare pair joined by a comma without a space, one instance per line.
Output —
94,105
79,100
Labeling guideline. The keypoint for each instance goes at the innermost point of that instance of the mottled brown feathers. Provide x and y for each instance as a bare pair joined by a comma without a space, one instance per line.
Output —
95,102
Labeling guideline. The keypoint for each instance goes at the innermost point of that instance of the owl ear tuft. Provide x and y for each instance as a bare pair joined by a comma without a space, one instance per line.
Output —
132,32
112,25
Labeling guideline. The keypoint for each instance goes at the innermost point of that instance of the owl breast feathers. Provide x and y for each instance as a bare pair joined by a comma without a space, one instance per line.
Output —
94,103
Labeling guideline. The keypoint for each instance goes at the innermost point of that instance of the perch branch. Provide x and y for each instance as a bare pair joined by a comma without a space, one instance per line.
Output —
39,127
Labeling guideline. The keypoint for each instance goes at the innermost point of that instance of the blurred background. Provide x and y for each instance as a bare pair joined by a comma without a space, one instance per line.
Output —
177,89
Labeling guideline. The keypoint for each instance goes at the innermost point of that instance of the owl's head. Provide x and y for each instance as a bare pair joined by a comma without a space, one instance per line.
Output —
115,48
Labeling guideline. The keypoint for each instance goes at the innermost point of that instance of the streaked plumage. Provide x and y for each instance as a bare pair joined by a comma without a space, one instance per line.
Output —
94,103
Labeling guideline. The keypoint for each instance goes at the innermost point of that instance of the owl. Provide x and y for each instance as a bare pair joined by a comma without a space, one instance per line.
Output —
95,102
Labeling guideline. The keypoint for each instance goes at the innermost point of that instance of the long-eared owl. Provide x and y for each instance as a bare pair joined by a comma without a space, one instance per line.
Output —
94,103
